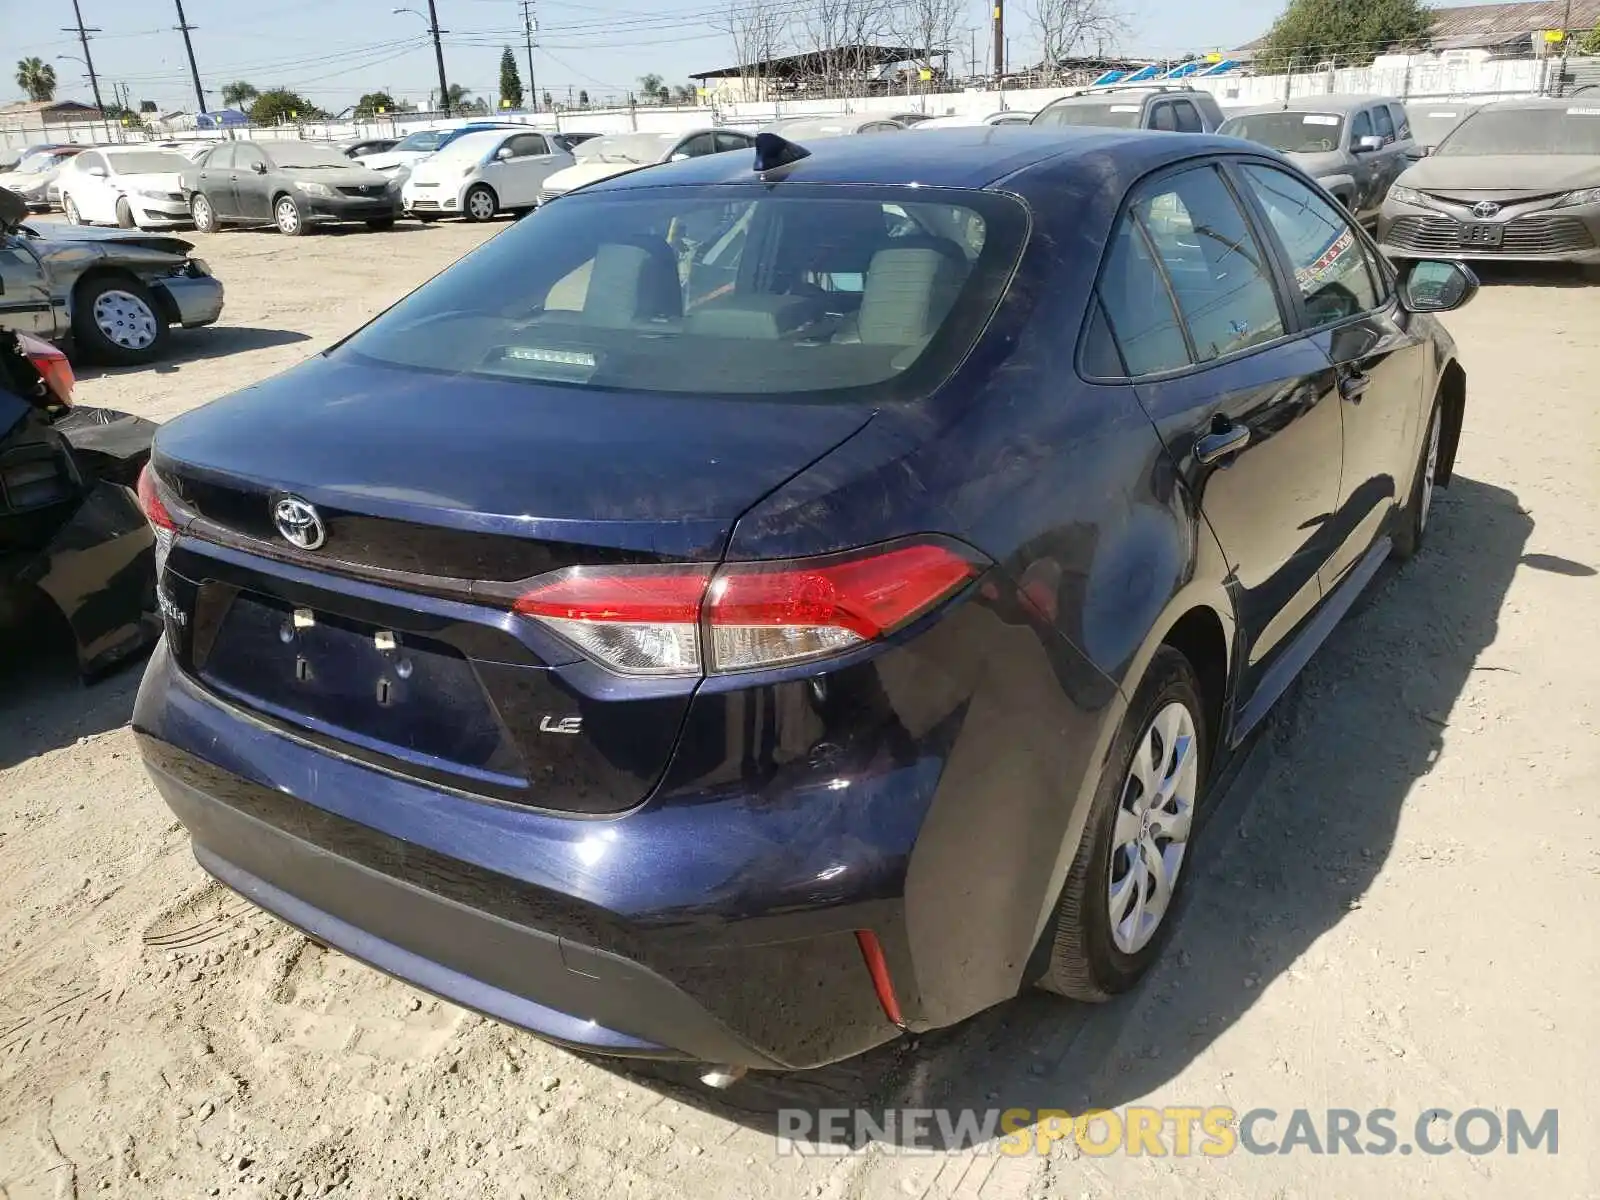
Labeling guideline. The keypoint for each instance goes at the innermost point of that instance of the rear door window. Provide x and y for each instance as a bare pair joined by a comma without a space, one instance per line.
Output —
1360,127
697,146
1217,271
220,159
727,290
1138,308
1163,118
527,145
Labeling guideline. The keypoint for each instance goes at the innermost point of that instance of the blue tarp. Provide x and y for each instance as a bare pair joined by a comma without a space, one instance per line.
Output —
226,118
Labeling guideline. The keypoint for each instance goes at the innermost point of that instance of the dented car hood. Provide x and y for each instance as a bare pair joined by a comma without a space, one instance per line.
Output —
75,242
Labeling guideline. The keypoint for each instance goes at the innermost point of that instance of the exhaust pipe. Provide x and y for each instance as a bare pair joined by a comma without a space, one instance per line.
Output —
722,1077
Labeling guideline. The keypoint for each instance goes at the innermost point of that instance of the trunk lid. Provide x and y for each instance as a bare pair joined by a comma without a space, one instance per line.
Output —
392,640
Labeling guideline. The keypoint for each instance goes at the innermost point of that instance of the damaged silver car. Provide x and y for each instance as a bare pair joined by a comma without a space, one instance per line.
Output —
112,294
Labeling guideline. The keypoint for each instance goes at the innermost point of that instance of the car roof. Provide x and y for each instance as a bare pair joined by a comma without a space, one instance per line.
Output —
971,157
1319,104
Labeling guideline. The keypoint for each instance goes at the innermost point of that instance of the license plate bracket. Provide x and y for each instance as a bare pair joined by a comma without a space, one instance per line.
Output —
1486,234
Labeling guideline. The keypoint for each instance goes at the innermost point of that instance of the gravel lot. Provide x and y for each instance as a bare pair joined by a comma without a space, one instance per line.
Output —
1394,910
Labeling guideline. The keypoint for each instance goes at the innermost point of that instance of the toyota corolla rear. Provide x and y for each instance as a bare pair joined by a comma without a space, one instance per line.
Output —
493,660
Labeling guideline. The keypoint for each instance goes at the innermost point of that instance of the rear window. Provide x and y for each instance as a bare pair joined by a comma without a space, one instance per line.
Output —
1116,114
821,293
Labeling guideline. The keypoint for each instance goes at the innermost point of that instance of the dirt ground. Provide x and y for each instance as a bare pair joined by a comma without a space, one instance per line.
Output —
1389,912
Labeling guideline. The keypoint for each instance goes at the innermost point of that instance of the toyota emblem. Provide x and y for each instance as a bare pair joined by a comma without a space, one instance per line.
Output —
1485,208
299,523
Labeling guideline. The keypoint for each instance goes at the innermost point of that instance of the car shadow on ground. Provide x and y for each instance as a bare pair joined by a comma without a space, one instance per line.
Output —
1533,274
45,704
1291,847
196,345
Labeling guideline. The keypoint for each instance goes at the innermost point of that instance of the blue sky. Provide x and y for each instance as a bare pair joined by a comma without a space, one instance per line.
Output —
334,50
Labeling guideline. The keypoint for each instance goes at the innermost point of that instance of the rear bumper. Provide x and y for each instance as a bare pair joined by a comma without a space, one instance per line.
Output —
509,912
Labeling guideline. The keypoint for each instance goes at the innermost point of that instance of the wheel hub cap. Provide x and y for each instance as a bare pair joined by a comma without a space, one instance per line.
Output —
125,320
1154,817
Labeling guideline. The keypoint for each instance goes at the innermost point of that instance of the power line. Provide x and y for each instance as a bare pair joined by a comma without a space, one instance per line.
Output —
88,59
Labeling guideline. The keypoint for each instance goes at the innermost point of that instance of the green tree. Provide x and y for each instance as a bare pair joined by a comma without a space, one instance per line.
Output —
373,103
1314,31
510,81
276,105
37,78
583,99
238,94
459,100
651,87
683,93
1590,43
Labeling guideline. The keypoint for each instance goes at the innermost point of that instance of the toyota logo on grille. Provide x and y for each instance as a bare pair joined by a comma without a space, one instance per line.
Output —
299,523
1485,208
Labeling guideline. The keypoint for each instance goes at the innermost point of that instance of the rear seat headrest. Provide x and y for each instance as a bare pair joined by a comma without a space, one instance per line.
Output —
910,287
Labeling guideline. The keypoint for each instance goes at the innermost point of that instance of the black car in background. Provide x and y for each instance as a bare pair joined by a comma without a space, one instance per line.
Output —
854,570
292,185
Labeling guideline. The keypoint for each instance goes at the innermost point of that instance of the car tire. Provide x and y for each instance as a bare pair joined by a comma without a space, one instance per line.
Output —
203,214
480,203
1143,812
1411,528
286,215
73,216
381,223
125,214
117,321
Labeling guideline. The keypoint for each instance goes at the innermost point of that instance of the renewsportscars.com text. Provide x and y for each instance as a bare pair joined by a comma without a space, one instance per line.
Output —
1177,1131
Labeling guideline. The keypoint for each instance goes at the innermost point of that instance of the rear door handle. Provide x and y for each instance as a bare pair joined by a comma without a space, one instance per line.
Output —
1220,443
1353,386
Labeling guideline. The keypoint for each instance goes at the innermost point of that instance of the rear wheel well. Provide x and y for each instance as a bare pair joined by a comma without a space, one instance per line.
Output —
1453,401
1199,637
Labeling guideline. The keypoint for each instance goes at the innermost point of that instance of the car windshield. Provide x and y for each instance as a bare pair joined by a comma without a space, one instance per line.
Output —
1430,124
143,162
1289,132
1571,130
641,148
814,293
38,164
1117,114
305,154
423,139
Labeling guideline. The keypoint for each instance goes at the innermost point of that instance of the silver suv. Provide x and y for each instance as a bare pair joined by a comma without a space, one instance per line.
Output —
1354,146
1156,106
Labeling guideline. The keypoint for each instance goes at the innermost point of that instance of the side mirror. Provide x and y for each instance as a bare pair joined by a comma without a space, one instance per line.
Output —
96,172
502,154
1436,286
259,167
1368,144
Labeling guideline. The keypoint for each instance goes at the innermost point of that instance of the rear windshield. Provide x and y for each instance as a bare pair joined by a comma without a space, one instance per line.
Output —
1117,114
1572,130
1289,132
821,293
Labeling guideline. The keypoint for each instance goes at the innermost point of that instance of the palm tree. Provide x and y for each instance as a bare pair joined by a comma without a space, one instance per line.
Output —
37,78
458,99
238,94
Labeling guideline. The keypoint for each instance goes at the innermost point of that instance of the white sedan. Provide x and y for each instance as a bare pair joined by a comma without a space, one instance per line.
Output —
130,188
480,174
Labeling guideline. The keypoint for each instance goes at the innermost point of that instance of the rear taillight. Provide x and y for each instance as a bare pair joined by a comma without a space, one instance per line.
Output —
155,511
685,620
52,366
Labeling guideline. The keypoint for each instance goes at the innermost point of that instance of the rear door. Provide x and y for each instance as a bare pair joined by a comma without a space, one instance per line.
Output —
1380,361
1391,160
1241,402
217,180
92,194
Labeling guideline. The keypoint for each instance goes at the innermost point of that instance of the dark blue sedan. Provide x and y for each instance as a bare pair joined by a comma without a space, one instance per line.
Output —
742,615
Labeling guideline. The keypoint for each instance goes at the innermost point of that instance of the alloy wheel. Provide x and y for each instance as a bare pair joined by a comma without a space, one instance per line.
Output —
481,204
1430,468
125,320
1154,818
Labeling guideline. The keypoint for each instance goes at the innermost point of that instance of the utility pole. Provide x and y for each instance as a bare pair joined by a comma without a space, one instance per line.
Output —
184,27
972,52
438,57
999,39
1560,79
530,28
94,83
